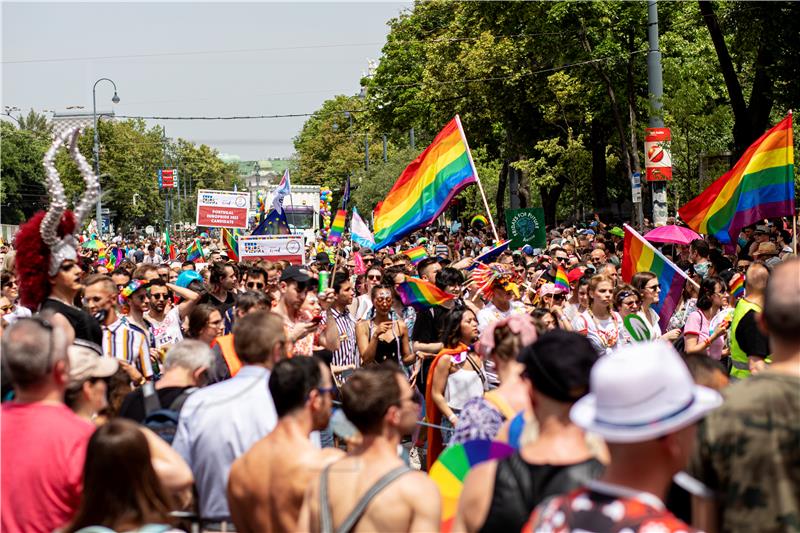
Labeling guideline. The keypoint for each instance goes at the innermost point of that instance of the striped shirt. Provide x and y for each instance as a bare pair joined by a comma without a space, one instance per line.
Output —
347,354
128,342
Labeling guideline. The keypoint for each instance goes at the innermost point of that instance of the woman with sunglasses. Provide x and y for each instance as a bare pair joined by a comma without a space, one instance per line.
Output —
552,299
10,290
648,286
382,338
362,305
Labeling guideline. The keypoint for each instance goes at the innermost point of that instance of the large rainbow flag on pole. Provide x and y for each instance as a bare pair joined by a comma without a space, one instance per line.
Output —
425,188
760,185
640,256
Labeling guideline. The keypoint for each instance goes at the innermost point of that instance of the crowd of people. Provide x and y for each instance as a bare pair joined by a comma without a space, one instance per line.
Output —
159,395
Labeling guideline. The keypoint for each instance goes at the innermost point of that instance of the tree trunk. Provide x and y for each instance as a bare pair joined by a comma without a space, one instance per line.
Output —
635,163
501,189
599,176
550,202
749,121
612,97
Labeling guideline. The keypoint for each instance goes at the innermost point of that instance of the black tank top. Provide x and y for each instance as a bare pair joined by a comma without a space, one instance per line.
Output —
386,350
520,486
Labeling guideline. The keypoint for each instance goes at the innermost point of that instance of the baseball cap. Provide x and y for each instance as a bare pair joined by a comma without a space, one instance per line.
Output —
559,365
296,273
527,249
641,392
574,274
323,257
86,363
766,248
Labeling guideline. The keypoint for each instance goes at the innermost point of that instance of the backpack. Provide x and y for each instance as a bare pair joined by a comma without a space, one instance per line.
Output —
163,422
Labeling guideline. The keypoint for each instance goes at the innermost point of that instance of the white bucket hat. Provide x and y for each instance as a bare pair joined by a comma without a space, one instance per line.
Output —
641,392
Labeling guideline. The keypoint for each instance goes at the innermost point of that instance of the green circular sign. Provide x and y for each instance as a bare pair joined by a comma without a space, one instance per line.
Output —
637,327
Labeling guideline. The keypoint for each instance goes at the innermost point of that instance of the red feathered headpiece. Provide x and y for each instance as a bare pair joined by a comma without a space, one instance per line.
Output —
33,258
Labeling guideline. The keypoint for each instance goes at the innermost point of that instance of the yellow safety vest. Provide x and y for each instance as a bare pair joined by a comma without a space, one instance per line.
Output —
740,368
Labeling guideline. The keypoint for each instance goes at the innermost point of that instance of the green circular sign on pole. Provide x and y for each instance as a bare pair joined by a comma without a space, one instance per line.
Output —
637,327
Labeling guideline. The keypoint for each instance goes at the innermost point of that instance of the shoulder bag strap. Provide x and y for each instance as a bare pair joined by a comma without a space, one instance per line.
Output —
474,365
355,515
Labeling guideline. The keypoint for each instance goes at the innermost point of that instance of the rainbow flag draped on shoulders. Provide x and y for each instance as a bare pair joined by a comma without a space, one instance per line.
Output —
425,188
421,294
640,256
760,185
337,227
230,238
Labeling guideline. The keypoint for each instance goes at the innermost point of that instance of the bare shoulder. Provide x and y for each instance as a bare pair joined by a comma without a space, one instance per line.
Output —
329,455
418,486
480,476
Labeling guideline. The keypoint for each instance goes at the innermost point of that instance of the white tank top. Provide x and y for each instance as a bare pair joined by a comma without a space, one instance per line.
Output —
462,386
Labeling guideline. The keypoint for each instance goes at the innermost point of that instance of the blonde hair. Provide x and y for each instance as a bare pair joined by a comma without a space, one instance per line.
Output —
595,282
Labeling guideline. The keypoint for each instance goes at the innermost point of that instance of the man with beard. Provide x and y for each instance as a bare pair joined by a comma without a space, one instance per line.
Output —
164,322
267,484
371,489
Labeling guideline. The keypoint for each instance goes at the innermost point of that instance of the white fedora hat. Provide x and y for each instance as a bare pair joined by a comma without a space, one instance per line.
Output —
641,392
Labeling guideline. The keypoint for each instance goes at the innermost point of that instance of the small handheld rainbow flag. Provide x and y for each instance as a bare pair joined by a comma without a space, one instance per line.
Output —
231,241
562,280
421,294
337,227
640,256
416,254
736,288
195,251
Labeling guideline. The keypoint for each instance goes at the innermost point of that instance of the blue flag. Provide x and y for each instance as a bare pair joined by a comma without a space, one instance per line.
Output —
273,224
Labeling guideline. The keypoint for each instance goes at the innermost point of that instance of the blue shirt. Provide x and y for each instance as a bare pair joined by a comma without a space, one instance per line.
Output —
219,423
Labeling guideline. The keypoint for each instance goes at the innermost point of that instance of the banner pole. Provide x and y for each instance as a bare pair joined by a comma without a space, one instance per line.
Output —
477,178
659,254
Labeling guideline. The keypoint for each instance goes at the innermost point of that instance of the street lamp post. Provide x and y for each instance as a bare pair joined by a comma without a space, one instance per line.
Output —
96,149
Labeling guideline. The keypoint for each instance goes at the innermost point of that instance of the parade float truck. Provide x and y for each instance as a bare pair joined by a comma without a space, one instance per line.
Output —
302,209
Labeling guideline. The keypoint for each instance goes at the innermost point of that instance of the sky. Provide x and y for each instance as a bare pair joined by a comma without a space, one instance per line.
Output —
193,59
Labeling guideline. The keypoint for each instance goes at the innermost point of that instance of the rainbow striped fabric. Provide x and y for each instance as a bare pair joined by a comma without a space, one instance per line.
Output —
562,281
421,294
337,227
416,254
424,189
195,251
736,287
231,241
640,256
760,185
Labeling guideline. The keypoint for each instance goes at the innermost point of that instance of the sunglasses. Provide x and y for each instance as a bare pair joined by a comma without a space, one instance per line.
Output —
254,285
6,308
159,296
374,278
558,297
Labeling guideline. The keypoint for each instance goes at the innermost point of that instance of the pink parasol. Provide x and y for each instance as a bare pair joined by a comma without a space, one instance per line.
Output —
672,234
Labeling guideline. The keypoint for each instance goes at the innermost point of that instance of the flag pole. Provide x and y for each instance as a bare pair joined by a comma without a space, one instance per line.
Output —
477,178
659,254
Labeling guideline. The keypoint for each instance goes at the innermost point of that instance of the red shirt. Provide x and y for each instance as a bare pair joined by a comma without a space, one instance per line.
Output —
42,449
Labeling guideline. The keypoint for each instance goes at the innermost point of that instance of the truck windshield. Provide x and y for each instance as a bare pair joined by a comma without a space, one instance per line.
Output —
301,217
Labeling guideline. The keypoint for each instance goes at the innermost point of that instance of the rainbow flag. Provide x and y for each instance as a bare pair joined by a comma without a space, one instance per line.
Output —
562,281
416,254
231,241
421,294
424,189
170,248
337,227
736,288
115,257
195,251
640,256
760,185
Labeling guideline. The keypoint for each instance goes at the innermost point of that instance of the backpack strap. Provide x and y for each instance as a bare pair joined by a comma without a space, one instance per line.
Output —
325,518
178,402
151,401
355,515
501,404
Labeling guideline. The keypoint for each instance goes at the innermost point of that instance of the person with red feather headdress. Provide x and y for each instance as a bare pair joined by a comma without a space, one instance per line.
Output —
48,268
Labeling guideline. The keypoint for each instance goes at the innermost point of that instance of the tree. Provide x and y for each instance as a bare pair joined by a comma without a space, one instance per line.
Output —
36,123
22,191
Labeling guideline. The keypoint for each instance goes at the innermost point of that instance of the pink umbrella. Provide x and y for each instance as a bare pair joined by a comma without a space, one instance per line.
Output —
672,234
